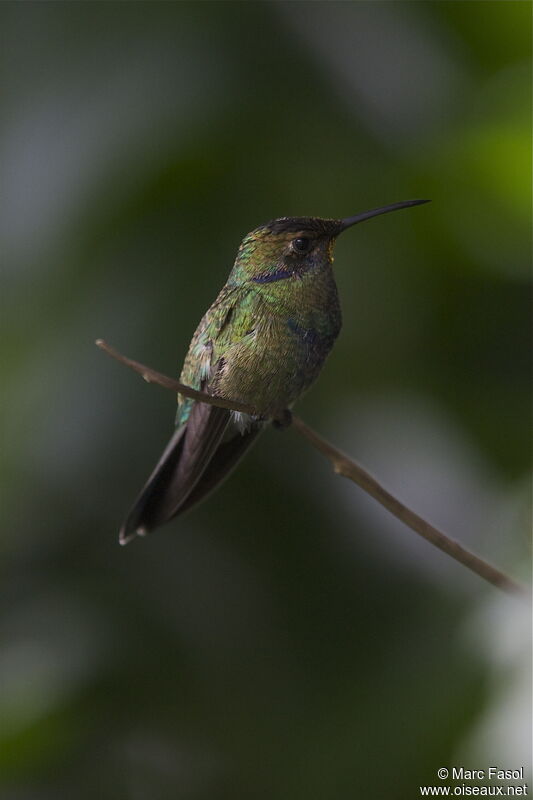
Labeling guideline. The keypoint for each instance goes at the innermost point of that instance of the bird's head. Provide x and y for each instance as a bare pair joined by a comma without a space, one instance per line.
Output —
289,247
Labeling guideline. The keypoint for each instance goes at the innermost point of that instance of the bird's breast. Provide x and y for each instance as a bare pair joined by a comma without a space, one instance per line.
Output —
280,356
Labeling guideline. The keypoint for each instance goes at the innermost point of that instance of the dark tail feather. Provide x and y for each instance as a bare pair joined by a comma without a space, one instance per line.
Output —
225,459
181,466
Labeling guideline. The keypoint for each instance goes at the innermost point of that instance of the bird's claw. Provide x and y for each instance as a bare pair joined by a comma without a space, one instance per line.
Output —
282,420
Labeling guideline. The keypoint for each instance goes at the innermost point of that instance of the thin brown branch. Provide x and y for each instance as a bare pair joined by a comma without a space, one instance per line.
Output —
345,466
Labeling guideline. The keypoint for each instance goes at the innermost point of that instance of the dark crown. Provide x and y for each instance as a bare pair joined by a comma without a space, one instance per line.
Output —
321,227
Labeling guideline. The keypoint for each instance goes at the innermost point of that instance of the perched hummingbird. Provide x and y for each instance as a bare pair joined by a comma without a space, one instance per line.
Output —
263,342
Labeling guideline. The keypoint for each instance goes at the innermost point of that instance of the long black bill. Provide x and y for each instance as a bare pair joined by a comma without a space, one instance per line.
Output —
375,212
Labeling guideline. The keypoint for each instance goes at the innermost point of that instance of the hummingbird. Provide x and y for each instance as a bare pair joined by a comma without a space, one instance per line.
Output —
263,342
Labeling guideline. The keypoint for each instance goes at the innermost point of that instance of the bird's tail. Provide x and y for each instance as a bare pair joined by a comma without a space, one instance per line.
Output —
198,457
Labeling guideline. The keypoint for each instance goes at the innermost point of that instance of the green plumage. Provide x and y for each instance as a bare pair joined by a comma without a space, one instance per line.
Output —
262,342
264,348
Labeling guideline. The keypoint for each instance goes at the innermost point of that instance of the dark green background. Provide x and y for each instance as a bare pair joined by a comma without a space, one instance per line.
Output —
287,639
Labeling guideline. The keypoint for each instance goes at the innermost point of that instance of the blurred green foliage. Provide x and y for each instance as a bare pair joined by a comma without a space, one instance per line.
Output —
287,639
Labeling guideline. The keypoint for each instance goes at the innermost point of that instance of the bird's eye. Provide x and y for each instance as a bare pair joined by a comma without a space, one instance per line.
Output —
301,245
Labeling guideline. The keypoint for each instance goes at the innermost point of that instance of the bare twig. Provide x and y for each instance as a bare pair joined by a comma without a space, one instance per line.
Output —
345,466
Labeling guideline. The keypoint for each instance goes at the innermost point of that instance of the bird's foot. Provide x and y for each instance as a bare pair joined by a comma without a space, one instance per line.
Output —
282,420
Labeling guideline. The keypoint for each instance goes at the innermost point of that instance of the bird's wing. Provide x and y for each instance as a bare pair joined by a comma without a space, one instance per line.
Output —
229,319
206,350
223,461
198,436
